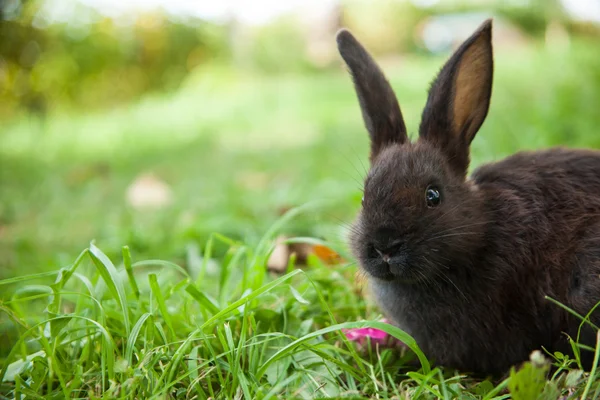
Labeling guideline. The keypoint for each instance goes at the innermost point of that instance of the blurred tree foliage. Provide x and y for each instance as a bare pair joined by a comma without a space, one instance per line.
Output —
89,60
389,27
98,62
278,47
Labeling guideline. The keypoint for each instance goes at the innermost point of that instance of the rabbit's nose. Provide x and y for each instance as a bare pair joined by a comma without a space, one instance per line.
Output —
384,256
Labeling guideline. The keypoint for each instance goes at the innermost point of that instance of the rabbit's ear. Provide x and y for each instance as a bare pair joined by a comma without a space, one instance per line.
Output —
459,98
378,102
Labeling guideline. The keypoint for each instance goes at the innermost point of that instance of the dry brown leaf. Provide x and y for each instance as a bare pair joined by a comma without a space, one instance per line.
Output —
302,251
327,255
280,257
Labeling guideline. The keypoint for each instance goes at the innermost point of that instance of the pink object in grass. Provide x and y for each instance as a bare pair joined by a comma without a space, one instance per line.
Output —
361,334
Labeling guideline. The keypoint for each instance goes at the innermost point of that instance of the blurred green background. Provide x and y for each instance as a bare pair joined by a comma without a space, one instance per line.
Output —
156,123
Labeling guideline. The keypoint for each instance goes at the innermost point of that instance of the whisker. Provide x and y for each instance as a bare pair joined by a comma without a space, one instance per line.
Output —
359,158
355,168
461,226
438,272
452,234
421,278
426,260
447,212
447,278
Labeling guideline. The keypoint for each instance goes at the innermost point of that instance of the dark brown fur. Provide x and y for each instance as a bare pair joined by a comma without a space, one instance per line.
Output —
468,278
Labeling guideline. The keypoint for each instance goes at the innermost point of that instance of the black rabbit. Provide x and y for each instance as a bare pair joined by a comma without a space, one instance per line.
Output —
464,264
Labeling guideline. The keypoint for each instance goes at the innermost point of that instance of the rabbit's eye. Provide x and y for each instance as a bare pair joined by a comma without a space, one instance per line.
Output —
432,196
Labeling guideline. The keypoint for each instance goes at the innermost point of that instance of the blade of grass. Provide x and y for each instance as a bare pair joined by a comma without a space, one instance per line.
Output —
161,332
18,279
108,361
571,311
113,281
343,337
500,387
392,330
265,248
253,295
64,274
54,300
592,376
443,386
263,244
243,381
239,351
160,263
232,258
129,270
202,299
179,353
132,338
192,363
227,352
161,303
425,382
205,258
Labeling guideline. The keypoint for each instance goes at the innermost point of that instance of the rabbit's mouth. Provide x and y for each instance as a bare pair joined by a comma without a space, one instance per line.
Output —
402,271
393,267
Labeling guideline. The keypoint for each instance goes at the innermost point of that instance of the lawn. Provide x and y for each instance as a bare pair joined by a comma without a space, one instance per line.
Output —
177,302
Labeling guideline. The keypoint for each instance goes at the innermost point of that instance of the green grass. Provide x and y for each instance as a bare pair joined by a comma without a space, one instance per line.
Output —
150,329
210,322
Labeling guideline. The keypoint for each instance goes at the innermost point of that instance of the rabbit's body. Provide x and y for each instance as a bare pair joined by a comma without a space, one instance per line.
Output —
541,237
465,265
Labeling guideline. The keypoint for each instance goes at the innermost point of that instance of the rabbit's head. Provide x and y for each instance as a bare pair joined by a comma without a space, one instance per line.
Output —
419,215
